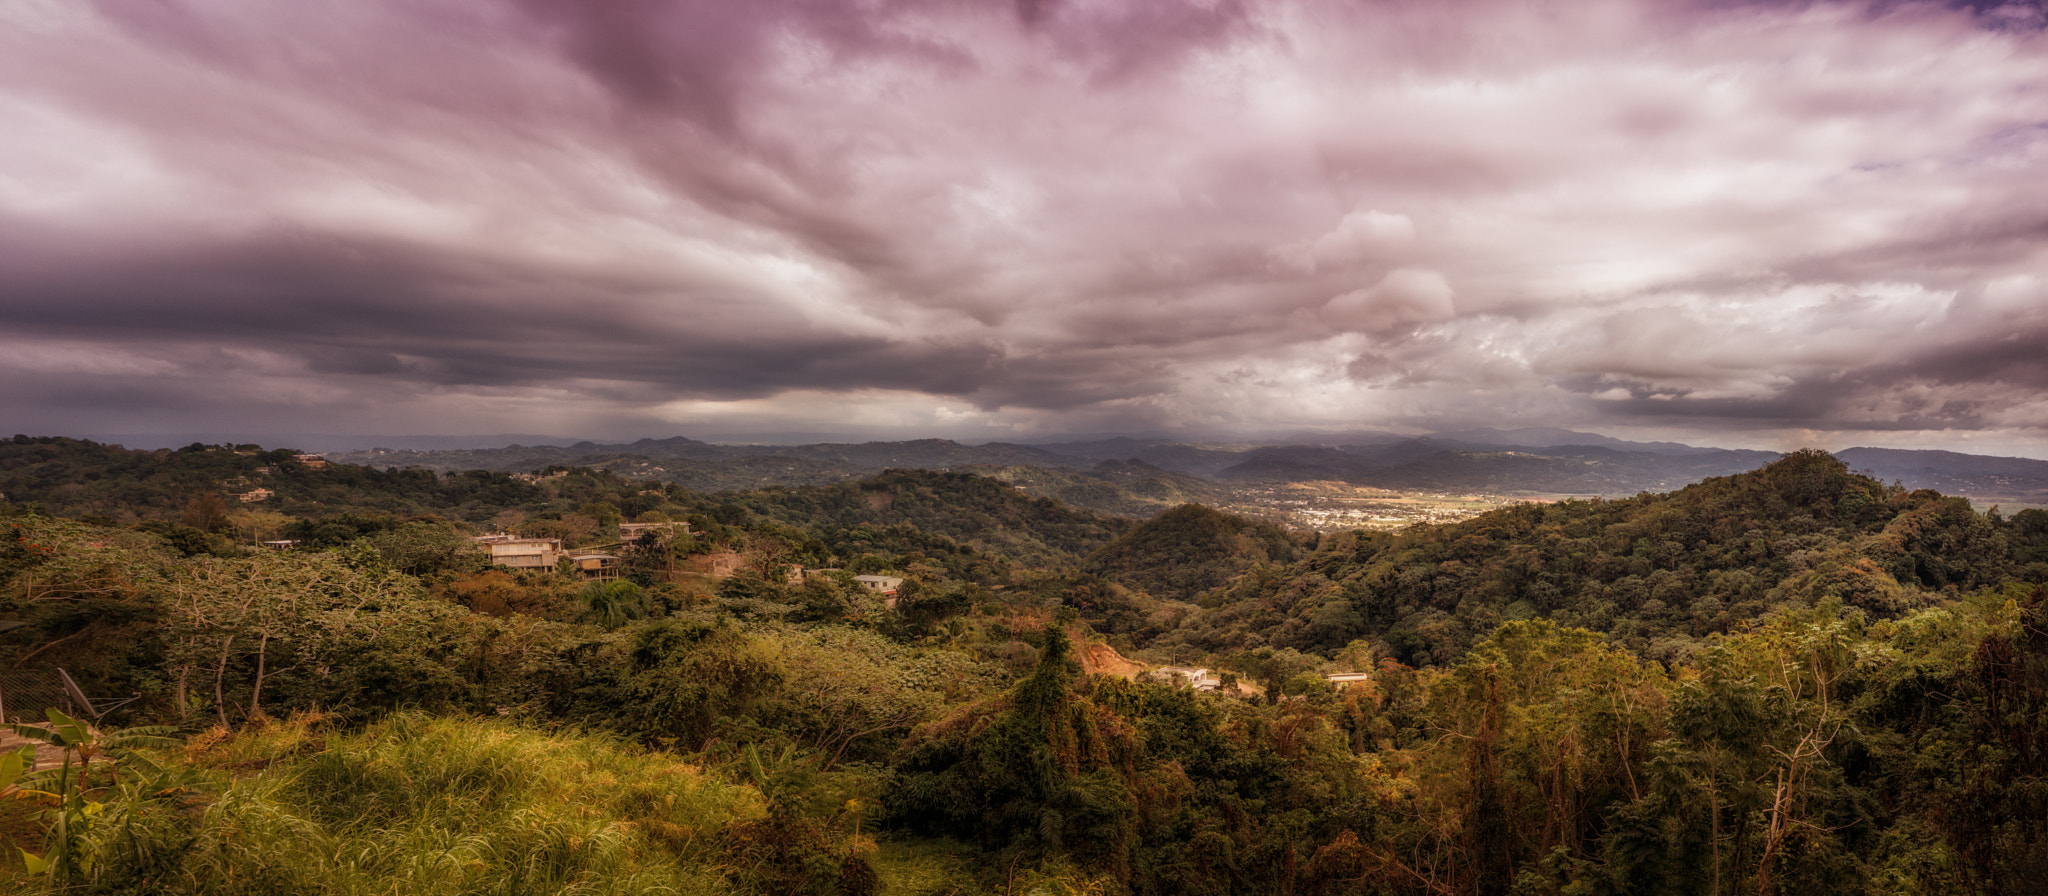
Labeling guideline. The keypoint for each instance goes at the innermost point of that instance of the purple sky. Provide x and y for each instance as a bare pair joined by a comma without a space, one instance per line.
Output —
1755,224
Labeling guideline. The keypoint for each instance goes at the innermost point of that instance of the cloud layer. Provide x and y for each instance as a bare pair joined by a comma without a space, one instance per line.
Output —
1722,221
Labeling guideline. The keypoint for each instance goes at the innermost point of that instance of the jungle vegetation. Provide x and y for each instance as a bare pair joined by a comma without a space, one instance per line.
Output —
1796,680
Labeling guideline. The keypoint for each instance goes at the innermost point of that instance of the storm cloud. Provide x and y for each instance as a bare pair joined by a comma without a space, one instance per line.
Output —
1732,223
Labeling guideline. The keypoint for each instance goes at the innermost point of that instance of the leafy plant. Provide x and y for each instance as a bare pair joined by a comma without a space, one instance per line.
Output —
64,791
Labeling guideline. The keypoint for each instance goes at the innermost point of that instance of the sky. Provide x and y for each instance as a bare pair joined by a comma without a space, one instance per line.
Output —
1767,225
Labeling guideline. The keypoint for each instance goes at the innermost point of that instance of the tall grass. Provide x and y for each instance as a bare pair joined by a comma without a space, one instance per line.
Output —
422,806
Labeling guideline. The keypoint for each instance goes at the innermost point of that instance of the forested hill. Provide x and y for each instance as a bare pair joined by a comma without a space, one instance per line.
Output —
116,485
1188,550
382,704
1659,572
975,510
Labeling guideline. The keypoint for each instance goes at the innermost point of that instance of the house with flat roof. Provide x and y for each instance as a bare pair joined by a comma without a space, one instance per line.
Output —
1189,676
1342,680
596,566
883,585
886,586
522,553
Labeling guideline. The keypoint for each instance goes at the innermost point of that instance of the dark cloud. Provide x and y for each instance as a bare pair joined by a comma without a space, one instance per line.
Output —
1667,217
339,307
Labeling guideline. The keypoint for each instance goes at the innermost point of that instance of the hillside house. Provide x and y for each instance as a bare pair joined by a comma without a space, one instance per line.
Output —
311,461
1189,676
522,553
256,494
886,586
1342,680
596,566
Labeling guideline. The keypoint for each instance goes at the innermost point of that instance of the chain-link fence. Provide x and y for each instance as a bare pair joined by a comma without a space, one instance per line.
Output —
26,693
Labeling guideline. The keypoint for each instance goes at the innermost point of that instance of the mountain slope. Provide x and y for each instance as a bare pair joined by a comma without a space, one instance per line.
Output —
1657,571
1188,550
1989,479
989,514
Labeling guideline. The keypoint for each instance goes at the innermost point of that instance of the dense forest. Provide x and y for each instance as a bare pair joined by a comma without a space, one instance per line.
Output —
1794,680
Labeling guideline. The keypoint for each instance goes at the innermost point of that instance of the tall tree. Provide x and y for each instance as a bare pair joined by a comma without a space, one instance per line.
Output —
207,512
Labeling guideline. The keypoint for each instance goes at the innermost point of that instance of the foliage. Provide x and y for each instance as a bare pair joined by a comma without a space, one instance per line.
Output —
1188,550
1660,572
1041,771
973,510
74,477
422,805
613,604
854,694
73,852
425,549
1791,681
683,682
309,627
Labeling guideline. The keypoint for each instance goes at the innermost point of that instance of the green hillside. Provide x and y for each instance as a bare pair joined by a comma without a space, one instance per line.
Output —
1189,550
974,510
75,477
1795,680
1661,572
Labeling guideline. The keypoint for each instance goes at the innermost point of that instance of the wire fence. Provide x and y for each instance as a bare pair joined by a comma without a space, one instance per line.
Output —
26,693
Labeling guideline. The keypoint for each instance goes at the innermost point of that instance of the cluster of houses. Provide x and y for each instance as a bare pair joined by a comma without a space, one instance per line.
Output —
1202,679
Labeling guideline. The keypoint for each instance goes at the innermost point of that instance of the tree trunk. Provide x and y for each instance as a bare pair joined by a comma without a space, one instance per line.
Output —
220,674
256,692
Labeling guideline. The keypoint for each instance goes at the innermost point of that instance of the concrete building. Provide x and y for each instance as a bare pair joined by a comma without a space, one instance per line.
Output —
887,586
1192,676
1342,680
595,565
522,553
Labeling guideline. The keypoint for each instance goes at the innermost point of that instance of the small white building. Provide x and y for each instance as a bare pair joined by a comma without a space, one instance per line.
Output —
1190,676
886,586
1342,680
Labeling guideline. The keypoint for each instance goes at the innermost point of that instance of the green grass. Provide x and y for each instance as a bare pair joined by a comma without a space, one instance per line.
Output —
419,806
920,867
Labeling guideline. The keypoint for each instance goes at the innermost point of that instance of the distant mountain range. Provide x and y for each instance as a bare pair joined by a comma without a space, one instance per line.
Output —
1158,472
2012,480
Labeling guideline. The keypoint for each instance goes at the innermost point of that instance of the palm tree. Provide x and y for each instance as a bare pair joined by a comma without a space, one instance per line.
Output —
614,603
